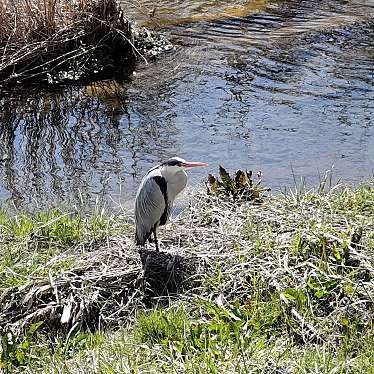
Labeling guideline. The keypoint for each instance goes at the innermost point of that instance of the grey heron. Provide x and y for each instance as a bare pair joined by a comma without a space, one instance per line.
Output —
156,194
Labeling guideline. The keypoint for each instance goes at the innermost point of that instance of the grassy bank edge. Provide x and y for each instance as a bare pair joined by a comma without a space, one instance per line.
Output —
289,287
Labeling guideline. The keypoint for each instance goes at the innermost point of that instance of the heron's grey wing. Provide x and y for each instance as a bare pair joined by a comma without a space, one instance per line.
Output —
150,206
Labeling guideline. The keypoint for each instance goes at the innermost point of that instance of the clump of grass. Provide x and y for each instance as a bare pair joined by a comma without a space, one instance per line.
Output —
36,254
162,326
57,40
54,227
25,352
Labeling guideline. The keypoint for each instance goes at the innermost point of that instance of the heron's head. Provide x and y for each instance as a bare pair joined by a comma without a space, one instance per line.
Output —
177,164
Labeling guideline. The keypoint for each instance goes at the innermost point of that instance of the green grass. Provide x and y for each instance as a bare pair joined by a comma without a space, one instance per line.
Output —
288,289
211,339
31,245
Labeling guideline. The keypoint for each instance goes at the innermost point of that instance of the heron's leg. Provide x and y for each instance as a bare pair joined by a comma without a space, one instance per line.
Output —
156,241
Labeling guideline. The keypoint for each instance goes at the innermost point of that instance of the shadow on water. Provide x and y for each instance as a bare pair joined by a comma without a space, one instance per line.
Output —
266,84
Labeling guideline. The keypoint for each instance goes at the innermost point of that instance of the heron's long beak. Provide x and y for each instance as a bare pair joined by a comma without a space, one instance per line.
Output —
193,164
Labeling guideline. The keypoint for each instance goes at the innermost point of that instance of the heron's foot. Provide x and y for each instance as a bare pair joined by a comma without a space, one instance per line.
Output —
156,243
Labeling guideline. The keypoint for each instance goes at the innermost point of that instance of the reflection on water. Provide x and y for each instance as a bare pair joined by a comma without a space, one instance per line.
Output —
167,13
266,85
75,144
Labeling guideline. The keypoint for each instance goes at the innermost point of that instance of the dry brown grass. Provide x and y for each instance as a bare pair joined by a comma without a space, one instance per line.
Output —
296,270
104,286
312,253
80,37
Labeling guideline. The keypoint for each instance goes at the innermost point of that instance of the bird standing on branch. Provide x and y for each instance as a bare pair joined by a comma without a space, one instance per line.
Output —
156,194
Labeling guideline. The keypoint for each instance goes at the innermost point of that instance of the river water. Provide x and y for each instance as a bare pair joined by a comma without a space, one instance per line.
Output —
281,86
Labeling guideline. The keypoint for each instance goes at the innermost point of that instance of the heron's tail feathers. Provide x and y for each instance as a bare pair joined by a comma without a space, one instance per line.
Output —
141,238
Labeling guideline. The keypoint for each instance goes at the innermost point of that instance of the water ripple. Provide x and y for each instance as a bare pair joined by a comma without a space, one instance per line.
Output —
265,84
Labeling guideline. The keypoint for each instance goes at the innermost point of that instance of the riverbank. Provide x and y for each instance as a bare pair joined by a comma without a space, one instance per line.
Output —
58,41
281,286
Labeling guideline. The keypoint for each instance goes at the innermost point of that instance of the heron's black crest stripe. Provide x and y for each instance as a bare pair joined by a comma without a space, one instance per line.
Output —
161,182
172,162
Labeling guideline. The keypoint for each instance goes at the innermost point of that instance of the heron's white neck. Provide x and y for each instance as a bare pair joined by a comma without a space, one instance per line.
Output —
171,173
176,179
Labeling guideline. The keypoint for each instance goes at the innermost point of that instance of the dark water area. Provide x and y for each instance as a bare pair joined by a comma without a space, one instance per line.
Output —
279,86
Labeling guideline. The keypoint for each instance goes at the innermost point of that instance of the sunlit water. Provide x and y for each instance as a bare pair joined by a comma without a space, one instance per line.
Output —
281,86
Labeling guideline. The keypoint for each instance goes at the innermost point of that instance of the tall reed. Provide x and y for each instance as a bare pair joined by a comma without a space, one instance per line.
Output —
46,36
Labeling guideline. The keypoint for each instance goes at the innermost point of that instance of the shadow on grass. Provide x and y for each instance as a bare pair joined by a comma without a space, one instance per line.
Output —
166,274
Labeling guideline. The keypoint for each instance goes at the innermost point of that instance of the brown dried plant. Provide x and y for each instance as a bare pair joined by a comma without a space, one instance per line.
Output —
40,37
